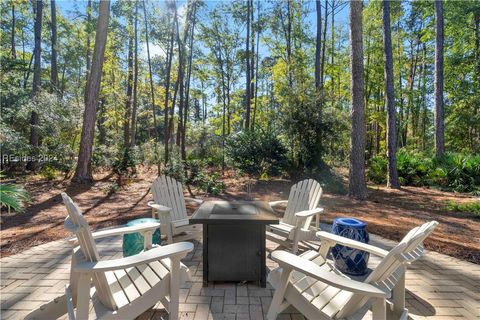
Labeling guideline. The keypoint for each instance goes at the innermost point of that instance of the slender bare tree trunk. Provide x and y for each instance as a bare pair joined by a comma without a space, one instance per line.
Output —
83,173
12,39
247,71
54,69
256,66
187,86
318,51
34,138
357,186
133,129
180,85
167,91
322,63
129,93
152,93
439,112
392,175
89,21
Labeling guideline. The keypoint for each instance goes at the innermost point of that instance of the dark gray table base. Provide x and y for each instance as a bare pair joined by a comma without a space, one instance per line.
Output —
240,251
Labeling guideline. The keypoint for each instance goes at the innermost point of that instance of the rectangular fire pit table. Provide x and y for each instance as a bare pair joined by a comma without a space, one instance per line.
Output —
234,240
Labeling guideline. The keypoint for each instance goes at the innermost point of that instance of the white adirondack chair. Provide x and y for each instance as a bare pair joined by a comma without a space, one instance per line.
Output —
122,288
301,208
168,205
319,291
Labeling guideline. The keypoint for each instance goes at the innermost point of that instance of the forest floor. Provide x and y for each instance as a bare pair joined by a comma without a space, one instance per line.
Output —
389,213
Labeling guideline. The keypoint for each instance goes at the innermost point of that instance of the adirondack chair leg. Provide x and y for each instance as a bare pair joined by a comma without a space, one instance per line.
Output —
379,309
277,300
147,240
325,248
296,239
174,288
83,296
398,294
166,221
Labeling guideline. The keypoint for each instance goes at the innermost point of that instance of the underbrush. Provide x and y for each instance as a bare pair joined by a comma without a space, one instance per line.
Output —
452,172
470,207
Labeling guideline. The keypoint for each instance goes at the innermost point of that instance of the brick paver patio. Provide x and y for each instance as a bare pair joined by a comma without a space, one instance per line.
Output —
439,286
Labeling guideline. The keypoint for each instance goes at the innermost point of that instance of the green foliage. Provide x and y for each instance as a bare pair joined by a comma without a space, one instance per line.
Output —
257,152
175,168
470,207
125,162
454,171
102,156
377,171
13,196
48,172
206,146
204,179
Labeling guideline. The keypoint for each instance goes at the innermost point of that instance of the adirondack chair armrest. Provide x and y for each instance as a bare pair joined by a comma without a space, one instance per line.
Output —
308,213
197,201
276,203
290,261
178,250
119,231
158,207
332,239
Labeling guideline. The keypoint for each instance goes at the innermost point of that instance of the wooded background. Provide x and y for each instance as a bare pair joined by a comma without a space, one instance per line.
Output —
257,85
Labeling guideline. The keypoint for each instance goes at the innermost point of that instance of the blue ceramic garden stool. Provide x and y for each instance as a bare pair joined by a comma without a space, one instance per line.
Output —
350,261
133,243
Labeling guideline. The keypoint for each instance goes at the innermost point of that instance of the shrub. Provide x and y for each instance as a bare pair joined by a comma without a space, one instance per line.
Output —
102,156
454,171
377,171
257,152
175,168
48,172
150,153
125,162
471,207
209,182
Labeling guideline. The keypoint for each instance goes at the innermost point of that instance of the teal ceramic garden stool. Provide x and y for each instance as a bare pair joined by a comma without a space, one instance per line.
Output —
133,242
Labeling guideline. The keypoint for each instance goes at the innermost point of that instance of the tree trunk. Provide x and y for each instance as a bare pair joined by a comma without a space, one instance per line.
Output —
152,93
318,51
88,53
332,53
14,51
475,128
256,66
133,129
167,91
438,85
54,69
181,77
392,175
189,74
34,139
289,42
322,63
129,93
83,173
357,187
248,71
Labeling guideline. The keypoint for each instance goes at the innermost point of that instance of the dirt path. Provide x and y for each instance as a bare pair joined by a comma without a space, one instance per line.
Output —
389,213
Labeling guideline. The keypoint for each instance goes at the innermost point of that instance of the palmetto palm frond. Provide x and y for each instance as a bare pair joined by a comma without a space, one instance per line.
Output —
13,196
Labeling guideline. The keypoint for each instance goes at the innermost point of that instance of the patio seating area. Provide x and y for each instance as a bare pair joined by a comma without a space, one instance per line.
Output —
438,286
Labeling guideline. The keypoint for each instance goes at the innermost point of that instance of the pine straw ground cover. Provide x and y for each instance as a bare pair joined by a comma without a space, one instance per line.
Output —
389,213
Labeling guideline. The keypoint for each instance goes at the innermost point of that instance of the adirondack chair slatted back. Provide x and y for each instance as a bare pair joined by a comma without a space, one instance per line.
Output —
389,270
169,192
76,223
305,195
